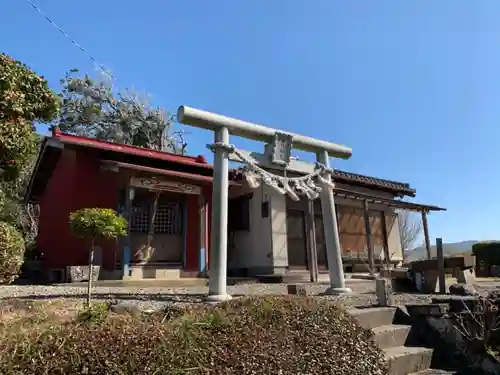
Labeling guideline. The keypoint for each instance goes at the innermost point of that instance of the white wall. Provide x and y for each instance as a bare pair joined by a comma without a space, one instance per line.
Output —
265,245
253,248
279,230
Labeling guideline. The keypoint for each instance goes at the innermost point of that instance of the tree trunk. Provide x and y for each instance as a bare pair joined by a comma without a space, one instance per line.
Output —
89,285
151,226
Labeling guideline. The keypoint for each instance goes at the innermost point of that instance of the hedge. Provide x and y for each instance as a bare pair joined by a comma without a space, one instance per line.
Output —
271,335
489,252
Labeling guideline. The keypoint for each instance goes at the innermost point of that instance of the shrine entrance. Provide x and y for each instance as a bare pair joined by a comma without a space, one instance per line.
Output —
296,239
299,233
277,157
320,243
157,229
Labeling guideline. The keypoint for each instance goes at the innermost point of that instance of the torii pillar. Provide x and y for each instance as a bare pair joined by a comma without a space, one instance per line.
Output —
222,126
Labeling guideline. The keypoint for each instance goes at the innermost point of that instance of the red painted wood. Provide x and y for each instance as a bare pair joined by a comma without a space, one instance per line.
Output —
77,182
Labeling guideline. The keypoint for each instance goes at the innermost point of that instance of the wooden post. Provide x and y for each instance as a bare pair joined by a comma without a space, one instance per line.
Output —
153,206
311,242
440,263
152,215
426,235
203,235
385,238
369,242
127,251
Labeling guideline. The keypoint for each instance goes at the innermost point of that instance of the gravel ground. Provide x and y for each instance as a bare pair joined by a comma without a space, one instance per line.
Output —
157,297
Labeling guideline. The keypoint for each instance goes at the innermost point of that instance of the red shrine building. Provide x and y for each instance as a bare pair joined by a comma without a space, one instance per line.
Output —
75,172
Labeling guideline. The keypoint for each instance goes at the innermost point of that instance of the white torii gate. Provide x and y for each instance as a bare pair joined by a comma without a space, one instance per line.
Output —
222,126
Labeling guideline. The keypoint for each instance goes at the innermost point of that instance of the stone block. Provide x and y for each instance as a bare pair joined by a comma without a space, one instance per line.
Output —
433,309
460,262
81,273
431,281
458,304
495,271
463,290
400,273
385,273
383,290
125,309
424,265
403,285
466,276
418,280
297,289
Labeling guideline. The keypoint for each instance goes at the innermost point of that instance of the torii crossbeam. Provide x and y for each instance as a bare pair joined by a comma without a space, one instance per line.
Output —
222,126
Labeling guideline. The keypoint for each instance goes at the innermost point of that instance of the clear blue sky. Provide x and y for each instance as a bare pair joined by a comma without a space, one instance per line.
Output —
412,86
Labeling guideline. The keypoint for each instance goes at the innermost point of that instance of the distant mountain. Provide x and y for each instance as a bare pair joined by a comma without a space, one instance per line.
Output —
449,249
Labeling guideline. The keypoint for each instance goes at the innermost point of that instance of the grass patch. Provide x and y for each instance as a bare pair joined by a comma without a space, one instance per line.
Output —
266,335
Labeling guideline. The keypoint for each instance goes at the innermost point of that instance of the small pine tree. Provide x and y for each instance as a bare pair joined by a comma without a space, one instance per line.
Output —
94,225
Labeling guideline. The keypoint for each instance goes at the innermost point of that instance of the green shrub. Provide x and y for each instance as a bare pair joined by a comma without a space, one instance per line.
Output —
95,314
24,97
271,335
11,252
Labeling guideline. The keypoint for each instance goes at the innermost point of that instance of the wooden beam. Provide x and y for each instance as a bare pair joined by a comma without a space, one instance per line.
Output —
426,235
127,248
311,241
202,205
440,263
152,215
369,242
385,238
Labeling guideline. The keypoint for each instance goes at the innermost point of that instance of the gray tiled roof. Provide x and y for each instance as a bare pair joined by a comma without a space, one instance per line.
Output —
395,186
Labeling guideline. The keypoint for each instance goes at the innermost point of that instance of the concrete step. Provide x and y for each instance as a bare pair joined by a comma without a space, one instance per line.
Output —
374,316
431,371
404,360
391,335
149,283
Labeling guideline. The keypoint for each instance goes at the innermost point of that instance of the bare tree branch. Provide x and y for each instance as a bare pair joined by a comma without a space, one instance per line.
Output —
93,108
410,228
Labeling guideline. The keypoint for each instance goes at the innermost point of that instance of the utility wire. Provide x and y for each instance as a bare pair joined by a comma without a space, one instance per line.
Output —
66,35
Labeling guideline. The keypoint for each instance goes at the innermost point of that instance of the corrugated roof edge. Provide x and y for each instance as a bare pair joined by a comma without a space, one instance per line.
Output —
198,161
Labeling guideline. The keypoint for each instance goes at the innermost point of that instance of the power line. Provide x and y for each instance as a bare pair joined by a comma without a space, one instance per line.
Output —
66,35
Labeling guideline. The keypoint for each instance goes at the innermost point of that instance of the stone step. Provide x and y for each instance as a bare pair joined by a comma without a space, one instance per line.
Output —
431,371
404,360
374,316
391,335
